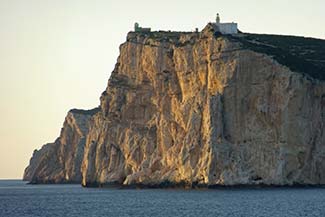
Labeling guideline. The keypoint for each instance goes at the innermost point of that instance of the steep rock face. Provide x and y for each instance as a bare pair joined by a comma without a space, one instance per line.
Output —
198,108
59,162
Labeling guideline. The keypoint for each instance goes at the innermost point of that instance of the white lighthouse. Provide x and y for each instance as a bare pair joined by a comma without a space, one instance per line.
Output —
226,28
218,19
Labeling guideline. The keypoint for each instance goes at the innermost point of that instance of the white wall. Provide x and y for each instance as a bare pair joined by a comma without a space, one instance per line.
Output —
228,28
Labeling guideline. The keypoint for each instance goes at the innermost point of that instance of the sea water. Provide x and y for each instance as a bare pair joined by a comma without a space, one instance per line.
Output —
17,199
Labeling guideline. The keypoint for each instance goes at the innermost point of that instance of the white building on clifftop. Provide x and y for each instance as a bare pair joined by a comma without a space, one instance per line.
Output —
226,28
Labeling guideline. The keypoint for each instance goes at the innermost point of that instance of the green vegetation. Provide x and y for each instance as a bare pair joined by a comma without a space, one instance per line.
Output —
300,54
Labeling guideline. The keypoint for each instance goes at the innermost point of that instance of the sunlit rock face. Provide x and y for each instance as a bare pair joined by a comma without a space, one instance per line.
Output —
59,162
197,109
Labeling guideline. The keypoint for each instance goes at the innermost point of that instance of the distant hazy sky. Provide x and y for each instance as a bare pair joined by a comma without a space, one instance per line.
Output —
58,54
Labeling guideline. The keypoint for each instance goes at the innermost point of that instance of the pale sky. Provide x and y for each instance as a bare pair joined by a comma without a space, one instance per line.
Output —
58,54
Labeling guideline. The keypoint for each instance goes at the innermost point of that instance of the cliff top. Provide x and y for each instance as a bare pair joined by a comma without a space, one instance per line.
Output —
300,54
85,112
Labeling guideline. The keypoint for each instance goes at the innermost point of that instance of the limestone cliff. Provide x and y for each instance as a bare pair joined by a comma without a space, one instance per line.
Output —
206,109
59,162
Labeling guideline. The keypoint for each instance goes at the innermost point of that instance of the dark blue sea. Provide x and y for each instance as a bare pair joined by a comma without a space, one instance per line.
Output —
17,199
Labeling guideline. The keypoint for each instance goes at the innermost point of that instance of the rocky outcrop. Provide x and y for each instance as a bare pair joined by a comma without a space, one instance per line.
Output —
203,109
59,162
